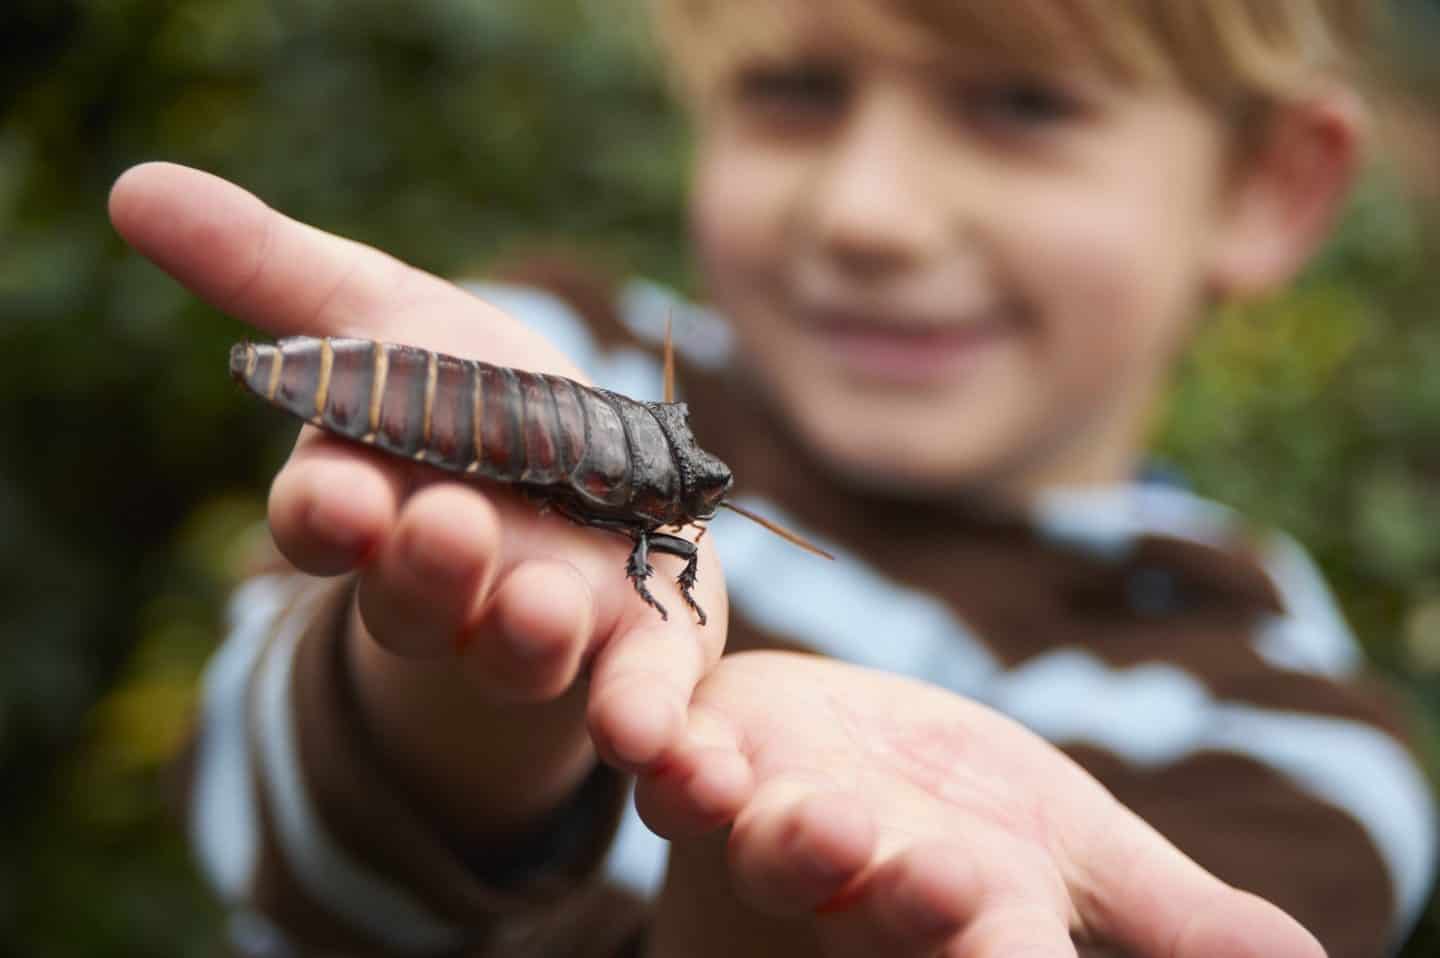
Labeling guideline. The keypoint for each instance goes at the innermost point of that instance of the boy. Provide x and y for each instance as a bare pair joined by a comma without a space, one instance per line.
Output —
958,245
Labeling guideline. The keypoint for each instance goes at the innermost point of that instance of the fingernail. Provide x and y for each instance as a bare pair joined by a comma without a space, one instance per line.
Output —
431,569
342,536
523,646
649,719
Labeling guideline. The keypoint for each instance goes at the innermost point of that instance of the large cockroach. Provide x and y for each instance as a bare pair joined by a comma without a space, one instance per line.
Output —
599,458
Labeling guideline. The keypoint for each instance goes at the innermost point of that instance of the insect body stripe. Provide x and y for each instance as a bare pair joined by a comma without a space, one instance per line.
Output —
573,431
351,388
477,420
402,404
296,376
539,430
245,362
428,416
322,388
377,389
450,441
500,425
276,360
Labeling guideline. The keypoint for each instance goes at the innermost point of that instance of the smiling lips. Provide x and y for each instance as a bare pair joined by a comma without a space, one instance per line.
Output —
910,354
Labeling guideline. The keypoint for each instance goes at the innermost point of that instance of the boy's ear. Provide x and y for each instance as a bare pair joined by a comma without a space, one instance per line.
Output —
1285,194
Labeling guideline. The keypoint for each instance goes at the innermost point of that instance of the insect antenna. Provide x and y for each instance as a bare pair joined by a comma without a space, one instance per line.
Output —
669,391
779,530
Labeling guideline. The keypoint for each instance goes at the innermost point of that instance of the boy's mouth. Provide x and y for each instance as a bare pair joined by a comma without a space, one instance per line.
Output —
910,354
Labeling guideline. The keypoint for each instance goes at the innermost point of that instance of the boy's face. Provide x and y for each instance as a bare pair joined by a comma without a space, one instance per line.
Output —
957,275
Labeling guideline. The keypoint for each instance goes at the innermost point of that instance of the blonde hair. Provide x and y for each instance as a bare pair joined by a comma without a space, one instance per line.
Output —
1237,54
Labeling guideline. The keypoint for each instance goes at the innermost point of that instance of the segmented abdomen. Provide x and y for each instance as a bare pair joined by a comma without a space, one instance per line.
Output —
461,415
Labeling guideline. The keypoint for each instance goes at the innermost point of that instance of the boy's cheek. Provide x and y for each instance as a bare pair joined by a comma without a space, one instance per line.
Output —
739,202
1118,287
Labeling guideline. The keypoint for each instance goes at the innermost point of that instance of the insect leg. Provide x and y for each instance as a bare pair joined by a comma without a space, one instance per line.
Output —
638,569
685,549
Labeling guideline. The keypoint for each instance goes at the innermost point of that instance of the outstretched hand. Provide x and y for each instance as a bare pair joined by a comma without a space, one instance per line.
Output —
891,817
535,601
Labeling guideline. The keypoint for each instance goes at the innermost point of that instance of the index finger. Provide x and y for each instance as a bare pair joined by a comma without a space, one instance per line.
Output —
646,670
287,278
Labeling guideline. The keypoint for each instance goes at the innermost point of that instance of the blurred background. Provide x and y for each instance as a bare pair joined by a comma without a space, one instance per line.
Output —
446,132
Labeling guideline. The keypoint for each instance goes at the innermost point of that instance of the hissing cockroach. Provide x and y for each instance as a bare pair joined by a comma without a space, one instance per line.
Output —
597,457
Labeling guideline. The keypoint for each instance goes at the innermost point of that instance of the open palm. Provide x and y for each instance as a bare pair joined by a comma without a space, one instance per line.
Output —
919,823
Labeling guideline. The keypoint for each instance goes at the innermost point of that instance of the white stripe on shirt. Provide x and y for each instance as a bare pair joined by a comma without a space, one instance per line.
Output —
224,826
378,907
1312,636
1158,714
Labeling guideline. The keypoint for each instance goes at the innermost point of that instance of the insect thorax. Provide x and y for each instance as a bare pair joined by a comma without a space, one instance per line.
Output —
704,479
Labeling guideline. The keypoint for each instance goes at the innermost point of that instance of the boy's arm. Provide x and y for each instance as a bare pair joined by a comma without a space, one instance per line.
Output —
301,829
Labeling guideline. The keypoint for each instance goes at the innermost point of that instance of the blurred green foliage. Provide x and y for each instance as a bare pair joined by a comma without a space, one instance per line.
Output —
446,131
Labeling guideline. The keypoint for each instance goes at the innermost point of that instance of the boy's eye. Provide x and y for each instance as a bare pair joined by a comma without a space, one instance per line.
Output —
799,93
1017,106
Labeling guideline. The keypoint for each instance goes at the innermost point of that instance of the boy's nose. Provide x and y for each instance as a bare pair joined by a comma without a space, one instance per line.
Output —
874,205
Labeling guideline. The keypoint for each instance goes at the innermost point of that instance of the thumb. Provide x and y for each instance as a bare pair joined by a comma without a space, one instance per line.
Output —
1144,894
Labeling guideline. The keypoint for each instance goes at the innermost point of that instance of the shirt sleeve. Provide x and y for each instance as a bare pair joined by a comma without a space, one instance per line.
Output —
1223,697
313,852
1256,827
1280,765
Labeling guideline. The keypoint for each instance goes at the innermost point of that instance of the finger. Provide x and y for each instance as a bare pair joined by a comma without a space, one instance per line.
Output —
1142,893
636,659
527,646
1014,930
333,504
702,786
429,579
639,690
287,278
248,260
959,900
792,850
910,905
